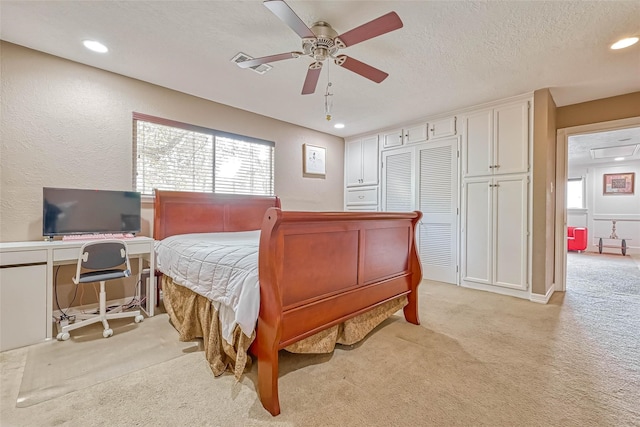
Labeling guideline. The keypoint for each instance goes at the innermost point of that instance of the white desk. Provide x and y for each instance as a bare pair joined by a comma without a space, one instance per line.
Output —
26,284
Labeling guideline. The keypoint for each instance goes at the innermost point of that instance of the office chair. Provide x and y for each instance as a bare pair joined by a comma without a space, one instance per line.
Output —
98,261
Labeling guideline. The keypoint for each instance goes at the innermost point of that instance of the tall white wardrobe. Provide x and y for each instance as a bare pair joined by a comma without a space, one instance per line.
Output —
469,174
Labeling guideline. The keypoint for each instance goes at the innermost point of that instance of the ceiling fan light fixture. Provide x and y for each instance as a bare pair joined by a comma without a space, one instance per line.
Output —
95,46
626,42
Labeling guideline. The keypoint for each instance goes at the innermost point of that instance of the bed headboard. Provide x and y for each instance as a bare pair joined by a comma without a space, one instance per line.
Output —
182,212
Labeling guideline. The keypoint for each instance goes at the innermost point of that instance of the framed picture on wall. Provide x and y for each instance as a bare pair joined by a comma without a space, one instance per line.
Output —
314,160
618,183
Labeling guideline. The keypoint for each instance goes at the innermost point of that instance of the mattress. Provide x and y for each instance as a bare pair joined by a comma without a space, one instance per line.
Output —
222,267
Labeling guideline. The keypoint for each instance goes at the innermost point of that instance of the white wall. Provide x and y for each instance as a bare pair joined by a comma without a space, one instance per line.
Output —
603,208
63,124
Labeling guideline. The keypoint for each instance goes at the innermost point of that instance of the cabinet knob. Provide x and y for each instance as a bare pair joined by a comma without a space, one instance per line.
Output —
490,166
360,197
496,166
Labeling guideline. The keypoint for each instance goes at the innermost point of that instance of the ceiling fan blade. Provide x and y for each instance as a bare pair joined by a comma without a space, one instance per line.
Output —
311,81
289,17
379,26
266,59
361,68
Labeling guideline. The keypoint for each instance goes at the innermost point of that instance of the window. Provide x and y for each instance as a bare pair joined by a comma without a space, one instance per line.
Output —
177,156
575,193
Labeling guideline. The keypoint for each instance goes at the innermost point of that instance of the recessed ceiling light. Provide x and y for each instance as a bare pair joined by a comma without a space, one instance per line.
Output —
95,46
617,159
621,44
339,125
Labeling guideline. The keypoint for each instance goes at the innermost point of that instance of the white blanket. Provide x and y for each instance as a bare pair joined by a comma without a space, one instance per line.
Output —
220,266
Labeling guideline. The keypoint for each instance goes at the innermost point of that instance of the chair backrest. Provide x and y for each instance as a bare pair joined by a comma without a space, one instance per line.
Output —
102,256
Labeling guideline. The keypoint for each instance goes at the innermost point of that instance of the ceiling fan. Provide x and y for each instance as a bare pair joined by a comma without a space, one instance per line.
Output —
321,42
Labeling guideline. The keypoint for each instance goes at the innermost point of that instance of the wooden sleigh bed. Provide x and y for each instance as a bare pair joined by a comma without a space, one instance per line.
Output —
316,269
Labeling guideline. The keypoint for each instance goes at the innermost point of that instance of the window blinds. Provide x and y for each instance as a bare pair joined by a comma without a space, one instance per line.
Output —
175,156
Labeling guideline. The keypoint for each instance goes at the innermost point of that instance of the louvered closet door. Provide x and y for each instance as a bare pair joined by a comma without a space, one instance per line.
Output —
397,180
438,201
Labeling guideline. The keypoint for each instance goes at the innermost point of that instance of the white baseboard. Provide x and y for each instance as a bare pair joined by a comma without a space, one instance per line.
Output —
495,289
543,299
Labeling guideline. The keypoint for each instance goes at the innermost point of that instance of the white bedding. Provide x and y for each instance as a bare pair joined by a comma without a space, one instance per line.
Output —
220,266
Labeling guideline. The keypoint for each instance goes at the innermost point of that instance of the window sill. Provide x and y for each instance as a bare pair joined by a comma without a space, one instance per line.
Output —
577,211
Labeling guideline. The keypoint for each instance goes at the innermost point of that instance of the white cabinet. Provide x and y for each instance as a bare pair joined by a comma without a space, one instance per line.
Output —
496,140
23,302
407,135
494,231
361,175
362,161
442,128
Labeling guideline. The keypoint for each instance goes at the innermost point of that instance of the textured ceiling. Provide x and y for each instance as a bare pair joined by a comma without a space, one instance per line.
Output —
448,55
580,146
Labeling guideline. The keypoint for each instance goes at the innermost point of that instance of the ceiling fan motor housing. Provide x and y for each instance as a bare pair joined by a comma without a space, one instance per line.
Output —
324,45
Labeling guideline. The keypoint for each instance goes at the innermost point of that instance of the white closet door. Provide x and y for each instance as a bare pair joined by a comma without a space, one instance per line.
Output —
397,180
438,201
477,230
477,149
370,160
510,225
354,163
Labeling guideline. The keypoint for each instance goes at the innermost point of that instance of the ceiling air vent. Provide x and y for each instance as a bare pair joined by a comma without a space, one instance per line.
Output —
620,151
260,69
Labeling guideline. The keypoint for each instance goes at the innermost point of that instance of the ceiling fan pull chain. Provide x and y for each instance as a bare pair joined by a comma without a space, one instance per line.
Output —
328,100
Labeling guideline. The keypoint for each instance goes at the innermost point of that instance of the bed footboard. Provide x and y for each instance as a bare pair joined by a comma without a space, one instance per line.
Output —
320,269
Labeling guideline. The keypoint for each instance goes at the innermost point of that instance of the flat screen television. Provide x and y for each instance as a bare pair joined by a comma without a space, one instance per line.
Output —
67,211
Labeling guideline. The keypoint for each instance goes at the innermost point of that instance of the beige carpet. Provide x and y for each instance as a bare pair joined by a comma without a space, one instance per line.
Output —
56,368
478,359
604,273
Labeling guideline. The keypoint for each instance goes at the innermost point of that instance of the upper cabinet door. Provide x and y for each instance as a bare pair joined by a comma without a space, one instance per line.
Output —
443,127
511,153
392,138
477,144
370,164
354,163
415,134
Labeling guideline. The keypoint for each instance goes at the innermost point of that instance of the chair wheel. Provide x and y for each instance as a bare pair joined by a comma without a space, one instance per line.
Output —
62,336
107,333
139,318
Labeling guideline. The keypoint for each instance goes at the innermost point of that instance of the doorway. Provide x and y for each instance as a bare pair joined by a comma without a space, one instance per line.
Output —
594,219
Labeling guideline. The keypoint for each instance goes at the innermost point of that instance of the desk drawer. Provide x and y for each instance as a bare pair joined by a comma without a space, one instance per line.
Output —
65,254
23,257
136,248
358,196
69,254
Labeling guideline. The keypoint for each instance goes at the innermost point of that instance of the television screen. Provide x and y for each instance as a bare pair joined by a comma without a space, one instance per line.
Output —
78,211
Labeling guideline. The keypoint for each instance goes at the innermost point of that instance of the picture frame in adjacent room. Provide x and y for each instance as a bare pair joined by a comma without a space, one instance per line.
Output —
314,161
618,183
